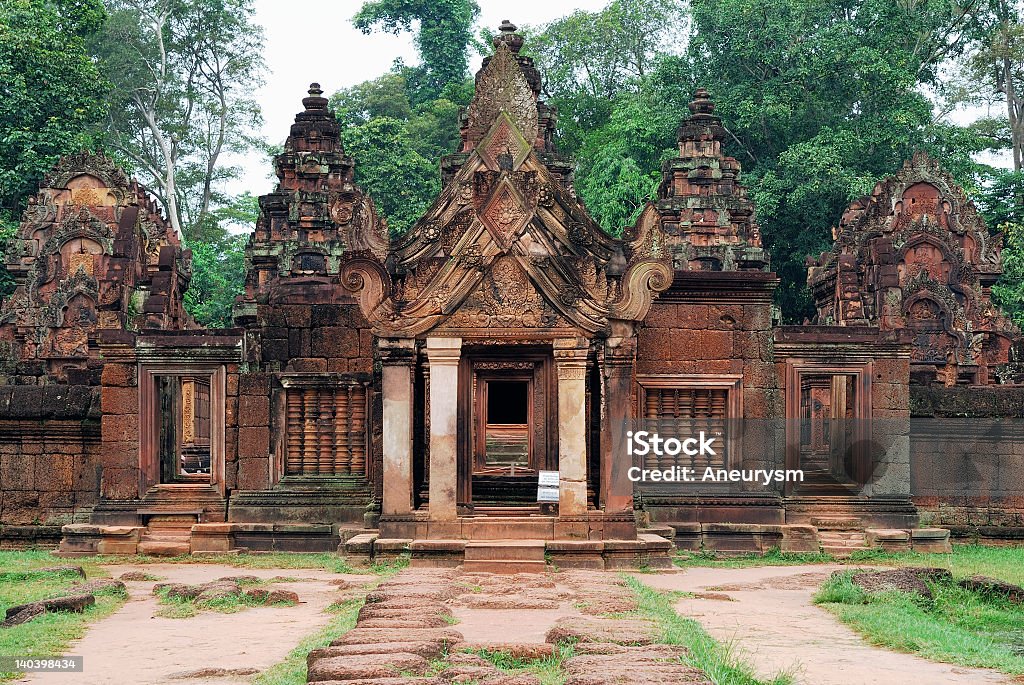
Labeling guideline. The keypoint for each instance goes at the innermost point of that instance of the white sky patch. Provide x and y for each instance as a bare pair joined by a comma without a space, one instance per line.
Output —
314,40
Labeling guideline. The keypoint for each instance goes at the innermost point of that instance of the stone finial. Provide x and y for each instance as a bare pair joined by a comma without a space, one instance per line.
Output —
701,103
316,102
507,35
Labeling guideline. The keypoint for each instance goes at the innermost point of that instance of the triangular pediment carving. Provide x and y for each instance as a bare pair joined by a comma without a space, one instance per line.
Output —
506,245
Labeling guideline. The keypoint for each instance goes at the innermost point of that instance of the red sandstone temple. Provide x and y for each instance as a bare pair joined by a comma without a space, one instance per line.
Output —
390,394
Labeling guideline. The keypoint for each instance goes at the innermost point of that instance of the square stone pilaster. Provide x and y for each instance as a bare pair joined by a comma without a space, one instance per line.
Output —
571,365
443,359
617,363
398,357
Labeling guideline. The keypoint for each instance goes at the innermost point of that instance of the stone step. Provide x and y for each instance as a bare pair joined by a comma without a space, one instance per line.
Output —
503,566
505,550
823,523
842,552
509,528
164,548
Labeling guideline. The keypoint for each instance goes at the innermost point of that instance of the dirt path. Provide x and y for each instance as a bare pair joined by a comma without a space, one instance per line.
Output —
135,646
774,623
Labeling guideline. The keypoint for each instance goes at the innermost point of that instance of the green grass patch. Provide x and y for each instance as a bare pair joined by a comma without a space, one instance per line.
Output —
772,557
50,634
955,626
324,561
720,662
548,669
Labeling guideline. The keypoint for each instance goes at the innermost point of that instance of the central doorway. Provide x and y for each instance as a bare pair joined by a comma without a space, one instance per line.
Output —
508,426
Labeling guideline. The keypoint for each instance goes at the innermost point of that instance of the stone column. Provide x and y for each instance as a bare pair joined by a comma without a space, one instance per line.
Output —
617,361
398,357
443,358
571,362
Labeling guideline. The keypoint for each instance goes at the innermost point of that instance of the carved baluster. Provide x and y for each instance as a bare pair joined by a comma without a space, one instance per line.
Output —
325,432
293,458
357,431
309,445
342,426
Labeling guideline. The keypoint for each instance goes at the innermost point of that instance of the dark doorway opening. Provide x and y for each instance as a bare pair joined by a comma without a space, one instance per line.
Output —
507,402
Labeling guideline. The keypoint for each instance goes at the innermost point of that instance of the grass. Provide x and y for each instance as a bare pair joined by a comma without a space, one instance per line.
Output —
719,661
955,626
772,557
323,561
50,634
548,670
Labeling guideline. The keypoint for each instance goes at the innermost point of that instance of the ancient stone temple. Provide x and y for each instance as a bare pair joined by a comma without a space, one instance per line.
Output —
474,381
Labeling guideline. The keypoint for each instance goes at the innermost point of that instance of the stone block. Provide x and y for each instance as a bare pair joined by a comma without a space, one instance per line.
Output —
120,483
119,375
253,410
888,539
253,474
335,341
117,400
254,384
930,540
120,428
253,442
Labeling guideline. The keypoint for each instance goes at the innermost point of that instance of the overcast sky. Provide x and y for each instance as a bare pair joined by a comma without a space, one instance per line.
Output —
314,40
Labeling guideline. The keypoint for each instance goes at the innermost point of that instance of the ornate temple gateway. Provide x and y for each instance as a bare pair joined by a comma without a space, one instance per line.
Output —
474,380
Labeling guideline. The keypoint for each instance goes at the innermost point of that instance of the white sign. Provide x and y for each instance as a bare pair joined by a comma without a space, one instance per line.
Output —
547,479
546,494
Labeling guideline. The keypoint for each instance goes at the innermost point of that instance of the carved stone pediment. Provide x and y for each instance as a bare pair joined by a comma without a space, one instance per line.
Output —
505,246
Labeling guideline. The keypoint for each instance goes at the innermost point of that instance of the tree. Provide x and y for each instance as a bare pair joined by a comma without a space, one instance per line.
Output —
182,71
823,100
443,32
51,97
994,69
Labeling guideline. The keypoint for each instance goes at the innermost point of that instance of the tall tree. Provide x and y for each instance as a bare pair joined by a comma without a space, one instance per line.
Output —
51,96
823,100
443,32
183,72
993,72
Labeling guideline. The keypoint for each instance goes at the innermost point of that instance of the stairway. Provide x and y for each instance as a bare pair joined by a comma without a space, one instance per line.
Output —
504,556
168,535
840,536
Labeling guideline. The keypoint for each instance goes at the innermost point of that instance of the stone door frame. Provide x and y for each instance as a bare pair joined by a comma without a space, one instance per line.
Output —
149,430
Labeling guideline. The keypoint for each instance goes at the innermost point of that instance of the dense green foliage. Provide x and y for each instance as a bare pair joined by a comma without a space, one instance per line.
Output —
51,96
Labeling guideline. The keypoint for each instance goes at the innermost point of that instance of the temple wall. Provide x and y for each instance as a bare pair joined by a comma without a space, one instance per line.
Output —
967,467
725,348
49,453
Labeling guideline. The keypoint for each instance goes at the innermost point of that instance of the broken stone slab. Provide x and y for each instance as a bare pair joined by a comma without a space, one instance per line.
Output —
994,587
909,579
654,666
71,603
357,666
424,648
135,576
468,673
101,585
272,596
375,611
617,631
421,622
446,636
401,680
62,570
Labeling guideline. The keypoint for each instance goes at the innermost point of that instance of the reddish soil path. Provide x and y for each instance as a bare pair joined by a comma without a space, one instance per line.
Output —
775,625
135,646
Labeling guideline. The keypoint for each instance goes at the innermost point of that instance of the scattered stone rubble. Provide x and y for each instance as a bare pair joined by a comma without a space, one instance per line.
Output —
222,588
901,579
